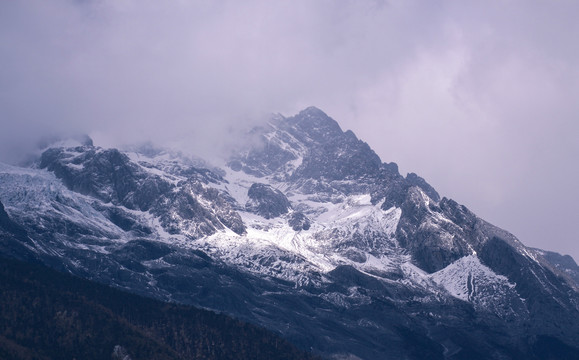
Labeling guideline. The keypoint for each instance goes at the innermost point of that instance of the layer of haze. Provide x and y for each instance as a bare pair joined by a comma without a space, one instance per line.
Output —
480,98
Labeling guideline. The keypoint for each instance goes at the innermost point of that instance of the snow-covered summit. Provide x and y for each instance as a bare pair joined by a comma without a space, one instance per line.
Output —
305,231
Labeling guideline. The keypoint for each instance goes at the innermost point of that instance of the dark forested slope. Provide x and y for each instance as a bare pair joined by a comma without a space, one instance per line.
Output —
45,314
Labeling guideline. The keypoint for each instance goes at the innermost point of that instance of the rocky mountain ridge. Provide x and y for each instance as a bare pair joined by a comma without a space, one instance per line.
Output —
306,232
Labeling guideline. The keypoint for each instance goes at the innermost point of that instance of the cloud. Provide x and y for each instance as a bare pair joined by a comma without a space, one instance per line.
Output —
477,97
142,69
488,115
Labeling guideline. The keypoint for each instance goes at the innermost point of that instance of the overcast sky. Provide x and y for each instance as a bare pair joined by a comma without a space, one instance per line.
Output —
479,98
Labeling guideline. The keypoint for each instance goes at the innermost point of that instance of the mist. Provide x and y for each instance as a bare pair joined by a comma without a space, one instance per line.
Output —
479,98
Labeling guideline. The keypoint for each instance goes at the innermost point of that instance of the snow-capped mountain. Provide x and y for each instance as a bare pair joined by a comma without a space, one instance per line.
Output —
304,231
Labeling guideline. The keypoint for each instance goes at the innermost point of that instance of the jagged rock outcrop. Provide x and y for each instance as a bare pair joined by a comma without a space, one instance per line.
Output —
298,221
195,210
108,175
188,207
266,201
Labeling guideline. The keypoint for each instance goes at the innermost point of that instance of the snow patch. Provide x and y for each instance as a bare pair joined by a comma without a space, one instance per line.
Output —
469,280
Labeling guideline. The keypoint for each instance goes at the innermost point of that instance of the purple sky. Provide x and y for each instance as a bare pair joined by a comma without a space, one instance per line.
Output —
480,98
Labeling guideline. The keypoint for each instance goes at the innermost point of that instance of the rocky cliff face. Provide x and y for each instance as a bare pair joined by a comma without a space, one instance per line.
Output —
180,198
266,201
306,232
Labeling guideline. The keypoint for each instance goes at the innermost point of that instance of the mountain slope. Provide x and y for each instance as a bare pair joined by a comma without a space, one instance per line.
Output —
304,231
49,315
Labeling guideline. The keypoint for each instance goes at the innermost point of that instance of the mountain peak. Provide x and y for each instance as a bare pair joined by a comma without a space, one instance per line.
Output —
316,124
312,111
